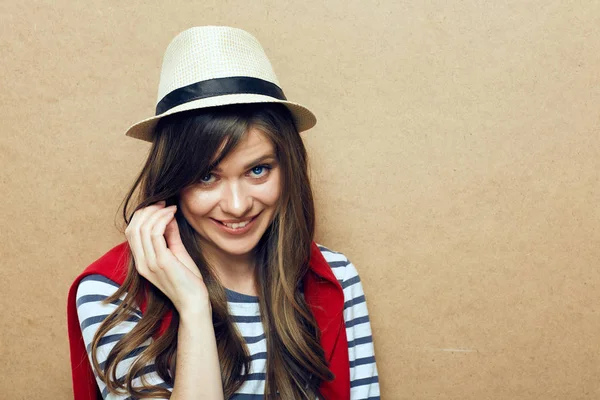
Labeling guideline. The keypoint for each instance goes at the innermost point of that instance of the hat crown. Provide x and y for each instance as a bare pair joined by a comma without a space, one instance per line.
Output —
213,66
209,52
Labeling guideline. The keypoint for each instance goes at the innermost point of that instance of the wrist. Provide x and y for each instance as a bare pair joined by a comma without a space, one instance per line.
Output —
195,313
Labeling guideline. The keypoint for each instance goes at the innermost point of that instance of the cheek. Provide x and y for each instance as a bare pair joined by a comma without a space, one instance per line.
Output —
270,192
197,202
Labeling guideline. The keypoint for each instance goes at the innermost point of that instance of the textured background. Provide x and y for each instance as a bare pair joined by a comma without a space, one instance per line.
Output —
456,163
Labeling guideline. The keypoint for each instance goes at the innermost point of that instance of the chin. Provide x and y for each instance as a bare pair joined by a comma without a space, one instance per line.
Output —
236,247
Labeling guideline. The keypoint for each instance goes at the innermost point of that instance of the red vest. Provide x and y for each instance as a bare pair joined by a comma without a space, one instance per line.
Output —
322,292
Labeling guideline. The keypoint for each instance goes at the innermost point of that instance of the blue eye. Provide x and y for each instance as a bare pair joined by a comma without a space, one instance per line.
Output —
207,178
259,171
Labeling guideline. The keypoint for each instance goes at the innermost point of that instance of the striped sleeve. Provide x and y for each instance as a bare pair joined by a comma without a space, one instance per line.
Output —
364,379
92,290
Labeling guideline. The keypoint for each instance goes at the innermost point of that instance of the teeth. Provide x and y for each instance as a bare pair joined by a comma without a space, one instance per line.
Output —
236,225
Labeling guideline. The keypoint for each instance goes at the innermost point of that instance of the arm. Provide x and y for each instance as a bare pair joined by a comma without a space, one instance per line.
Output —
162,259
364,379
196,343
91,312
197,359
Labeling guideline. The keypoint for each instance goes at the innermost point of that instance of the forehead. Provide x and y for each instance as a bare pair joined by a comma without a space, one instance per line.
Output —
252,146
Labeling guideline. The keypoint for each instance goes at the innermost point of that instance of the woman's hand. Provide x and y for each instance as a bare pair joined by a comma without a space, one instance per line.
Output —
162,259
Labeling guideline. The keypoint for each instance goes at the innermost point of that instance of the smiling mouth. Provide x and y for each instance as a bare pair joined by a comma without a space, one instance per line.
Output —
237,224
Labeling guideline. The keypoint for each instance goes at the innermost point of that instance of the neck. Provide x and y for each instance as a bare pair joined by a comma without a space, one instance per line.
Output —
235,272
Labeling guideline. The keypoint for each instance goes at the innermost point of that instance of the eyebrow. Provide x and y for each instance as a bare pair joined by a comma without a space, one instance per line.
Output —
254,162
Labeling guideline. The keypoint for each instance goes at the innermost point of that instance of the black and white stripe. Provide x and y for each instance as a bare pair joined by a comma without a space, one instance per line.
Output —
364,379
245,311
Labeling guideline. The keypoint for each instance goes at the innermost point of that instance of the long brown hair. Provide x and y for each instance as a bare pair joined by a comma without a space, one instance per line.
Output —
183,151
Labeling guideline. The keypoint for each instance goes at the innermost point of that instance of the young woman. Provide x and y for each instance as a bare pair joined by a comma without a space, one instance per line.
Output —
219,290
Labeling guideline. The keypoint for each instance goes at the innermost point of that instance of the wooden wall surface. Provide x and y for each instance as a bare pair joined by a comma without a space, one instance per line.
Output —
455,161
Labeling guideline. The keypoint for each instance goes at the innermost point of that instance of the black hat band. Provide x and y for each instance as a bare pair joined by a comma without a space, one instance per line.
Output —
218,87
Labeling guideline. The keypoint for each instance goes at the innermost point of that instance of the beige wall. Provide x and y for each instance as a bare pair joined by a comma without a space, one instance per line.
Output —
456,162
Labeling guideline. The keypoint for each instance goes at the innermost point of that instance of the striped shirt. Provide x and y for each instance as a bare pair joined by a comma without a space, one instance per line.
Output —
364,381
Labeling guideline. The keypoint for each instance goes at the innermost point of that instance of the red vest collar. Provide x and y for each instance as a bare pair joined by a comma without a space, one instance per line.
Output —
322,292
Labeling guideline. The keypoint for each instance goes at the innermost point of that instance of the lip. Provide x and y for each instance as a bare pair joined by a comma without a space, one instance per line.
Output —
238,231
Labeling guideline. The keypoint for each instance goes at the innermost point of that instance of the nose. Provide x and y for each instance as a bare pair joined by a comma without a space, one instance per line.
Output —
236,201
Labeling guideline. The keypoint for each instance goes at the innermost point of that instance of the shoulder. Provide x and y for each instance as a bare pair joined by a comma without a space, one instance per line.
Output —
92,291
342,267
332,256
112,265
103,276
96,284
355,307
118,255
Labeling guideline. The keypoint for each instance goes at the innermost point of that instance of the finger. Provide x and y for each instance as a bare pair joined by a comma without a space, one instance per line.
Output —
175,243
132,233
139,216
164,256
146,232
173,237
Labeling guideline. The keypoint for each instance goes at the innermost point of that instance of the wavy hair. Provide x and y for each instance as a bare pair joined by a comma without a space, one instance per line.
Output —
183,151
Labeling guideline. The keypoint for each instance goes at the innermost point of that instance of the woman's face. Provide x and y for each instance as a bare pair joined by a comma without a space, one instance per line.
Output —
233,205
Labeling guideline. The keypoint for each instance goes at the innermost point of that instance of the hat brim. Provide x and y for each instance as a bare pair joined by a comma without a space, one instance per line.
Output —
303,117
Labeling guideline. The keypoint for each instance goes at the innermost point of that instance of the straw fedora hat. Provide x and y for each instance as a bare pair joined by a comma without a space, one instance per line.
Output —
212,66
